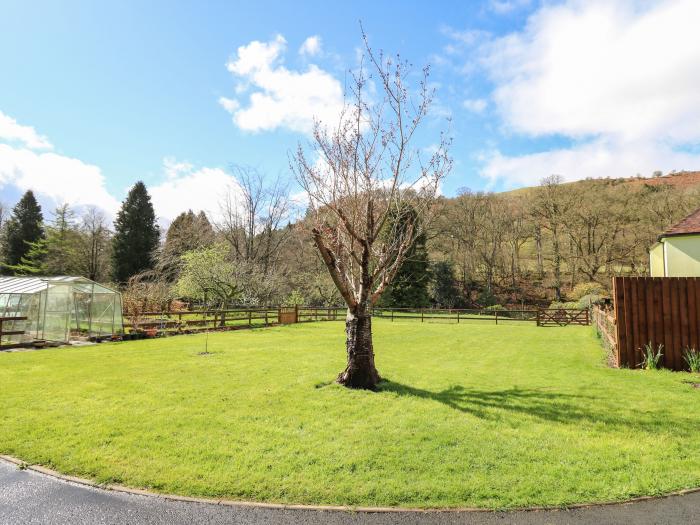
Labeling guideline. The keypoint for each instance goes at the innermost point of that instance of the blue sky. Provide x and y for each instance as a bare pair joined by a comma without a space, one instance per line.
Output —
127,91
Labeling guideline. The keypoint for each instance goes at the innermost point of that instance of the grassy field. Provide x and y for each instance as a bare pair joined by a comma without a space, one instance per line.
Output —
469,415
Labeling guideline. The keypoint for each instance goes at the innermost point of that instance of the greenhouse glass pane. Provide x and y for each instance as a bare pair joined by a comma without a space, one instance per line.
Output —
57,312
118,318
80,323
4,298
102,313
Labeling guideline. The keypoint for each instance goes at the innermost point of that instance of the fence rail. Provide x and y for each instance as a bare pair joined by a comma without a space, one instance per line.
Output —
458,315
198,320
232,318
604,322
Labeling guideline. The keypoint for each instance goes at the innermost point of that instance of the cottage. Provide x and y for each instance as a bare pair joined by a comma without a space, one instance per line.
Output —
677,252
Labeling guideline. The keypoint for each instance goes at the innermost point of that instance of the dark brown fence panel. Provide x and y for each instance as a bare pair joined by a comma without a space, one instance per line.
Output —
657,311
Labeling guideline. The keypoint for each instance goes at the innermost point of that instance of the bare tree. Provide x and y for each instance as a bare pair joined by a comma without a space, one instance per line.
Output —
360,171
549,207
95,245
253,217
518,233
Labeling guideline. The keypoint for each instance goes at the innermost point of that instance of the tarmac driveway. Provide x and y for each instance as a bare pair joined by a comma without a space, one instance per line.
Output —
28,497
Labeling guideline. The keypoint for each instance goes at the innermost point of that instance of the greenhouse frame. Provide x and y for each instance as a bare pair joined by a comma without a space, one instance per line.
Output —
59,309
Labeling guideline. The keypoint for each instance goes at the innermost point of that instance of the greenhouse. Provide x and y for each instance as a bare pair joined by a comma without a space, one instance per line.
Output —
59,309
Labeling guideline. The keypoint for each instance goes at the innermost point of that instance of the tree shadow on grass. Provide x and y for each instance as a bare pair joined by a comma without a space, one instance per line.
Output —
547,405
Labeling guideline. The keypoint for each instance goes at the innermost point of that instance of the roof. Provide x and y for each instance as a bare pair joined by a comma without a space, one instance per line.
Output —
688,226
30,285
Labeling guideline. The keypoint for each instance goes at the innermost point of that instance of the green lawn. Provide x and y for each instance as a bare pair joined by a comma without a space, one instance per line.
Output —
469,415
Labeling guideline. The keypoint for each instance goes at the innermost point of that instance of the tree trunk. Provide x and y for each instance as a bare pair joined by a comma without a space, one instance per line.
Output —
538,247
360,371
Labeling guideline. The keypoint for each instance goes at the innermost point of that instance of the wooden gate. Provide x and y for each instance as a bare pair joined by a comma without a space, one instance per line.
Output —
289,315
562,317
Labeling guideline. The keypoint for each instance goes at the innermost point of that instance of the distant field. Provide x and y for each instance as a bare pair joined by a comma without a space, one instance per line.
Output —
468,415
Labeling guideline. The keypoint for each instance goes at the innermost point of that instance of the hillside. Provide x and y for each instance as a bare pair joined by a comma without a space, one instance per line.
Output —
681,180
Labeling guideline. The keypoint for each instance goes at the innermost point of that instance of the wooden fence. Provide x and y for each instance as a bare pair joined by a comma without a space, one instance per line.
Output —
198,320
657,311
456,315
604,322
189,321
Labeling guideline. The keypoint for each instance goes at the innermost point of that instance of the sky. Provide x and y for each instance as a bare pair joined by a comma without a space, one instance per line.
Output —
96,95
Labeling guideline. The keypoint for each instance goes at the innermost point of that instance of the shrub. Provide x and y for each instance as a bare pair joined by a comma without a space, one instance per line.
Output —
583,289
651,359
556,305
296,298
487,299
588,300
494,307
692,357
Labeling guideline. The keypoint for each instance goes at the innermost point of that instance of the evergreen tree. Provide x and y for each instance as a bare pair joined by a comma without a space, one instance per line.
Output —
444,290
34,261
409,289
23,229
136,235
63,241
187,232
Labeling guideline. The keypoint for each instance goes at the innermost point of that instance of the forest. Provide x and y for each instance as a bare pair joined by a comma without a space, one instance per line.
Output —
552,243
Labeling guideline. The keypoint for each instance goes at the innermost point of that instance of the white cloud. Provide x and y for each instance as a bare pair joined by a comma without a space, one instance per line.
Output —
280,97
57,177
187,187
311,46
475,105
229,104
11,131
619,78
599,158
506,6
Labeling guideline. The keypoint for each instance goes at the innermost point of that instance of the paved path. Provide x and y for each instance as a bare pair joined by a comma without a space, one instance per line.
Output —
27,497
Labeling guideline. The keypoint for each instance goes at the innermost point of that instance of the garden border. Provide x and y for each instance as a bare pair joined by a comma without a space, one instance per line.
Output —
337,508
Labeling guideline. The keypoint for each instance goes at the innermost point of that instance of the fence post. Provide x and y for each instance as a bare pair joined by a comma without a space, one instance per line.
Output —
265,316
392,316
457,316
223,319
496,316
421,315
250,318
538,317
296,313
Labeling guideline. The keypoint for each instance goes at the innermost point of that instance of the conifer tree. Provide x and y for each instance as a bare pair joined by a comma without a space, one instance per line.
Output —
409,289
23,229
136,235
443,287
187,232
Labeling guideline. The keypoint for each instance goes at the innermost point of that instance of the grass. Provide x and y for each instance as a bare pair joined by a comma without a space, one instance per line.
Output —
469,415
